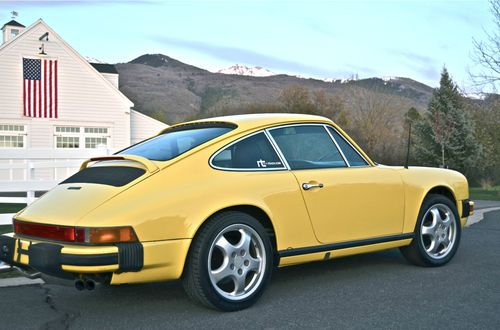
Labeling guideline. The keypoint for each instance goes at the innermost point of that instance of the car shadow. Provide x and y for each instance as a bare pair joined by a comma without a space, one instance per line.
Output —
286,284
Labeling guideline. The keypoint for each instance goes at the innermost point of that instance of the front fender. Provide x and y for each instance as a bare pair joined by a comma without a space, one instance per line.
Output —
419,181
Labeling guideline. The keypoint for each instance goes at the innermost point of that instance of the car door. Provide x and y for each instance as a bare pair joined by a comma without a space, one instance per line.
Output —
347,199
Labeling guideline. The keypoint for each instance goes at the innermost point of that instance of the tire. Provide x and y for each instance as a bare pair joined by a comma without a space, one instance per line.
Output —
229,263
437,233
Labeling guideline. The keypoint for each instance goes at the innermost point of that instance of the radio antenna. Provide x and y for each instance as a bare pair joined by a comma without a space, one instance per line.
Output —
409,141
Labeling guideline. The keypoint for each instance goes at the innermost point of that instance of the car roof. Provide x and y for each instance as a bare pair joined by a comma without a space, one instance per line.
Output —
249,121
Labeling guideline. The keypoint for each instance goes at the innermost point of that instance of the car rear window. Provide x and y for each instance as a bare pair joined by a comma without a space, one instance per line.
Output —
177,141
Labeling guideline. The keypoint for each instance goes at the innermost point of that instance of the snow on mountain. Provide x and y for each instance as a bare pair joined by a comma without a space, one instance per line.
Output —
93,60
475,96
328,80
389,78
243,70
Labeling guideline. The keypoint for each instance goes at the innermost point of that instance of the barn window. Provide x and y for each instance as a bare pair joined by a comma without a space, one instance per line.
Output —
67,136
67,129
68,142
12,136
93,142
96,130
81,137
96,136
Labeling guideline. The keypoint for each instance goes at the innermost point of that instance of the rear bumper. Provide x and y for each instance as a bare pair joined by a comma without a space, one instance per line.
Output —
123,262
63,261
467,208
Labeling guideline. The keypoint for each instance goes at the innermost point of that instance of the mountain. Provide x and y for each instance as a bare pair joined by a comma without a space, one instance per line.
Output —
243,70
173,91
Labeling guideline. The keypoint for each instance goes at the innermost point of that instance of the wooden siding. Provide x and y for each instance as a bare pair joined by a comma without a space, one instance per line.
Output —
111,77
143,127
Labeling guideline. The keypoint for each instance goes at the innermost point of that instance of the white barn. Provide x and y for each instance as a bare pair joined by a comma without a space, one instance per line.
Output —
54,104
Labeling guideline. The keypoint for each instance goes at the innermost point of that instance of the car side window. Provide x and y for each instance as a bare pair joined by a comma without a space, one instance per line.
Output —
252,153
307,147
350,154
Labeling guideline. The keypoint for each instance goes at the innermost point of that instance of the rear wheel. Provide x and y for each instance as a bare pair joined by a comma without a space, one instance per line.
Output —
230,262
437,233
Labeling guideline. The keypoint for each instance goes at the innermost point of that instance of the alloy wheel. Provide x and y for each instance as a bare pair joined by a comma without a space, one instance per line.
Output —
236,262
438,231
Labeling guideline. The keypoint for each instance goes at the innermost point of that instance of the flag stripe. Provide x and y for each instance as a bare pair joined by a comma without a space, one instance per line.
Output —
24,97
35,99
29,98
32,96
39,84
44,92
50,87
45,88
55,87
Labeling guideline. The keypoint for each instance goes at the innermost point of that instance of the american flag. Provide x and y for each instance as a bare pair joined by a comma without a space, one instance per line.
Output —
40,88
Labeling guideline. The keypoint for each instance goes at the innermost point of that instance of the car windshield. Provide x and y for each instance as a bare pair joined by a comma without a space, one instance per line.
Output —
177,141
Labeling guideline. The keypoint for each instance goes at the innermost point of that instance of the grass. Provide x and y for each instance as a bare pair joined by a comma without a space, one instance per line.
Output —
11,273
5,229
490,194
11,208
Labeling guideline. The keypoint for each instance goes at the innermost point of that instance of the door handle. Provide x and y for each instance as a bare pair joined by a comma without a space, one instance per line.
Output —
307,186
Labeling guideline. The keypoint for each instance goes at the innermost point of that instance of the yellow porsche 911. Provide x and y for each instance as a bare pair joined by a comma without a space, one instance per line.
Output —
220,202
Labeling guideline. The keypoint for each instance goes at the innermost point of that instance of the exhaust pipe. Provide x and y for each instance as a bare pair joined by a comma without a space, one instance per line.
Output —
79,285
90,285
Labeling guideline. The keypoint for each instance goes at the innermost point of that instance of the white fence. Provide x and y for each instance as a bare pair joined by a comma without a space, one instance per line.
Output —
30,170
26,171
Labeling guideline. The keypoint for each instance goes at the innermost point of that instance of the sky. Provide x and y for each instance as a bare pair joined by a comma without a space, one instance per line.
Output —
321,39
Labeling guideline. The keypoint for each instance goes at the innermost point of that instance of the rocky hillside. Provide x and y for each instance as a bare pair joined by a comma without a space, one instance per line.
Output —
173,91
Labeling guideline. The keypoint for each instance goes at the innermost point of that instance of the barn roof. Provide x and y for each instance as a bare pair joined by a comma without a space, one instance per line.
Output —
104,68
13,23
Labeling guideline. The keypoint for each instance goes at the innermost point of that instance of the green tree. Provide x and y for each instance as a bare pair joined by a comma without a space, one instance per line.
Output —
412,116
446,137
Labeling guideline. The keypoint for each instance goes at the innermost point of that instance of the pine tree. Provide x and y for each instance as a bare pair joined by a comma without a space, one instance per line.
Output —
445,137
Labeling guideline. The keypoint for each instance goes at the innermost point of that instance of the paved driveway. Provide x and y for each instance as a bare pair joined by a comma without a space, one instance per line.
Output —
379,290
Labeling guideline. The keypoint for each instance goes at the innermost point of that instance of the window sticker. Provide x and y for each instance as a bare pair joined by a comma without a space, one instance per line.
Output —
264,163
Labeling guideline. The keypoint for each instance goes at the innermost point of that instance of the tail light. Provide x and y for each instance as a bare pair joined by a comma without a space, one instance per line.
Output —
105,235
57,233
101,235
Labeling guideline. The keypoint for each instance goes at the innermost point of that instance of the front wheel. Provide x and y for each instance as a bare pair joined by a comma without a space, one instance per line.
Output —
437,233
230,262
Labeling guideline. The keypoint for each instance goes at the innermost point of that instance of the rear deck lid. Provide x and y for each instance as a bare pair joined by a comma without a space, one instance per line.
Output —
85,190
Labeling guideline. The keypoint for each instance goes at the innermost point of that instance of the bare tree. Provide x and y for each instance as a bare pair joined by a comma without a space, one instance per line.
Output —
442,124
296,99
487,53
378,124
